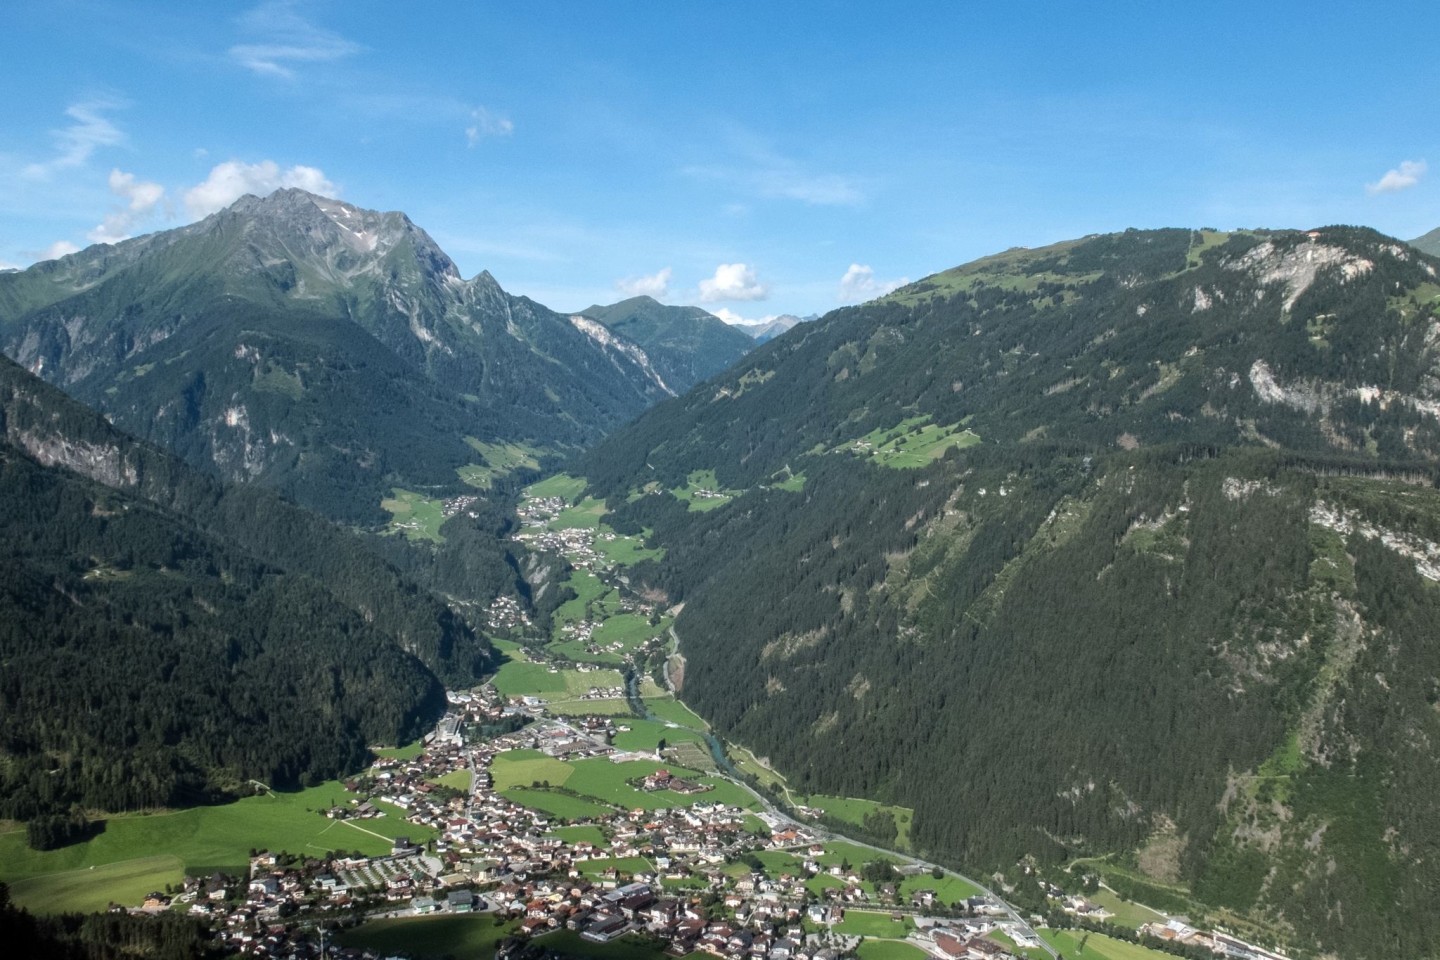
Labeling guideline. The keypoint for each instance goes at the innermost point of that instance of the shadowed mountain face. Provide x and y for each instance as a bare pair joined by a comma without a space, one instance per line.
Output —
685,344
167,637
328,351
1126,546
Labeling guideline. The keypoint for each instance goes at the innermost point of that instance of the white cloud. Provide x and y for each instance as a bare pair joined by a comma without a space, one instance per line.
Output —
286,39
655,285
75,143
732,318
56,250
141,198
484,122
231,180
1402,177
733,281
859,283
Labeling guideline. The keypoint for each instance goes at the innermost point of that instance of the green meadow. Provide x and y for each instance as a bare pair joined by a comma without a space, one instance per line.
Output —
198,840
911,443
416,516
464,935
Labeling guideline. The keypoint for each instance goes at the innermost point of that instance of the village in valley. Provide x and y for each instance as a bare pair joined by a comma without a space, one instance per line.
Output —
572,807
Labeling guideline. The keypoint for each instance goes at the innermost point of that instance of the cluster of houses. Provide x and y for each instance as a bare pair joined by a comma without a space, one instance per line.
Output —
505,613
1218,942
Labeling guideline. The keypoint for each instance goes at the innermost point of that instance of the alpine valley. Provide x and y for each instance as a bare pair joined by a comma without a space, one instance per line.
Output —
1112,562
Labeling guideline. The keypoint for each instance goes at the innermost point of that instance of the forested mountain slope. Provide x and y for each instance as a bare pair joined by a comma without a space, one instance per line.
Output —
166,638
685,344
1122,547
331,352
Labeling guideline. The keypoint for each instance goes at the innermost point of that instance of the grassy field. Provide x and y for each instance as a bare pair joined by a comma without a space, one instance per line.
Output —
561,485
629,630
584,834
646,734
889,950
560,805
455,780
568,943
948,889
500,459
419,518
838,852
464,935
520,678
911,443
92,889
586,513
867,923
748,763
855,810
623,550
704,480
589,589
668,708
603,780
792,482
521,768
611,707
779,862
408,752
202,839
1127,914
630,865
1098,946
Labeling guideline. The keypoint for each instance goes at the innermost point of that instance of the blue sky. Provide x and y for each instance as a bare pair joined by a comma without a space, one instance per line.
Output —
755,158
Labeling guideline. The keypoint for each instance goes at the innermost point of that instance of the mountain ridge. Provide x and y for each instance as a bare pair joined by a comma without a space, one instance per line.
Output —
686,344
330,351
1088,551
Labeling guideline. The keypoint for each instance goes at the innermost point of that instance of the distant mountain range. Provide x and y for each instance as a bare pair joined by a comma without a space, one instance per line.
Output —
325,350
1122,549
1430,243
685,344
768,330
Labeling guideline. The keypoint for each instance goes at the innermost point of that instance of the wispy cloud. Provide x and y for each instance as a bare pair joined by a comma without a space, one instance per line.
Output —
485,122
231,180
859,283
1402,177
285,40
760,172
74,144
56,250
655,285
140,198
733,281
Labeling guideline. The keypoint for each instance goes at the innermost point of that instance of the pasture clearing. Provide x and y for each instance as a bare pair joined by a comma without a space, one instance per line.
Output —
205,839
889,950
416,516
561,485
869,923
702,492
500,459
470,935
672,710
855,810
560,805
93,889
914,442
508,770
